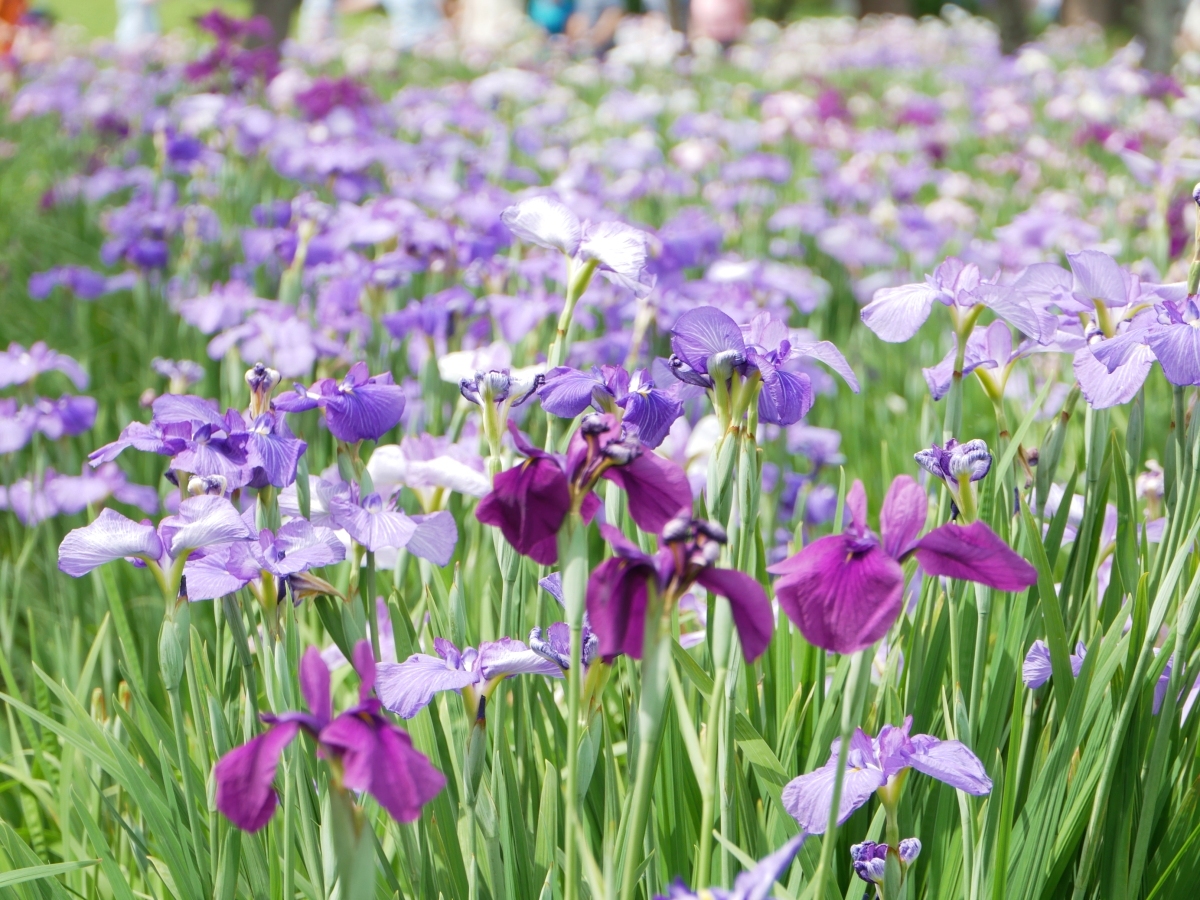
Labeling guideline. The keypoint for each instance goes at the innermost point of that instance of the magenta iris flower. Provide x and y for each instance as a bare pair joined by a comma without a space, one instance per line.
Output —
358,408
407,688
618,589
753,885
371,753
568,392
871,764
844,591
529,502
707,345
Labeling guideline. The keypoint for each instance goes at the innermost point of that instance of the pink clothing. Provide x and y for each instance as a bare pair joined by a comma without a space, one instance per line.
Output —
721,20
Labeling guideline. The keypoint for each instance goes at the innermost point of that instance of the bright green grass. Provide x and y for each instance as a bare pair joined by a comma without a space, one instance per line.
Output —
99,17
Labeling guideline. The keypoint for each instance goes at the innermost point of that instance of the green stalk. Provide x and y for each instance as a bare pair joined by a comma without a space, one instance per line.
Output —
953,422
709,783
656,672
856,695
577,283
573,557
983,605
185,769
368,599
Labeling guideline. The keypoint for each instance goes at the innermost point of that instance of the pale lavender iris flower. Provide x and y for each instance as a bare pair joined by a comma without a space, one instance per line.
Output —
755,884
1036,670
359,407
871,764
568,392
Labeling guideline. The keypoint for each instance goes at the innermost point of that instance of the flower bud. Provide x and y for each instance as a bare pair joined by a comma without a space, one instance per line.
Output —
678,529
207,484
869,860
910,849
593,424
971,460
262,381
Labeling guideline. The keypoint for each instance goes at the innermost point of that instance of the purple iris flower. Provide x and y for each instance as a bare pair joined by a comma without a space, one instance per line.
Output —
34,501
529,502
871,764
708,344
371,753
377,524
407,688
201,522
870,858
66,416
18,365
568,392
293,550
359,408
897,313
618,250
1170,331
989,347
84,283
618,589
1036,670
845,590
753,885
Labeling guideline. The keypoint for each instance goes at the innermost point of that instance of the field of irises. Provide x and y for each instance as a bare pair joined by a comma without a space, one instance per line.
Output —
527,476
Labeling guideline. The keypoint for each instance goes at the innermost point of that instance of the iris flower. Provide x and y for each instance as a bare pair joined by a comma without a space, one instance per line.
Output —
874,763
568,392
753,885
358,408
529,502
845,590
368,752
618,589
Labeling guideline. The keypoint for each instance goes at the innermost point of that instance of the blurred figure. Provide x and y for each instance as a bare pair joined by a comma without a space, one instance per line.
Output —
10,15
490,23
552,15
316,22
137,23
411,20
719,20
595,21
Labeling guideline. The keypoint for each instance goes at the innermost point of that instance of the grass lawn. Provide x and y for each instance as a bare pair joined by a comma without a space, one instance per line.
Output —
100,16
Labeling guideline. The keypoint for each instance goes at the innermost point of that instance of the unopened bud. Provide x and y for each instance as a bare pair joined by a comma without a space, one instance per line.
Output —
678,529
207,484
622,454
712,530
593,424
971,460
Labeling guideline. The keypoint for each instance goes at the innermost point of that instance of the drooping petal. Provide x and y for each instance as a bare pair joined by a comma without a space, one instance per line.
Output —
702,333
951,762
749,604
568,392
434,538
809,798
974,553
407,688
379,758
507,656
903,515
785,398
314,685
220,571
110,537
616,605
244,776
828,353
655,487
1177,348
203,521
1102,388
652,412
1036,669
620,250
757,883
364,412
839,599
528,504
545,222
895,314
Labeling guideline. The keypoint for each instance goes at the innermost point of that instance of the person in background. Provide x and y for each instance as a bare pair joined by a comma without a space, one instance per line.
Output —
552,15
137,22
595,22
316,22
411,20
719,20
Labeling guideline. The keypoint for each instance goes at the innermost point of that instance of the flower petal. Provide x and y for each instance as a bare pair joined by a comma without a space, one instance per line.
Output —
1102,388
656,488
703,332
528,504
111,536
407,688
951,762
748,601
435,537
203,521
545,222
974,553
903,515
809,798
1036,669
508,656
895,314
244,776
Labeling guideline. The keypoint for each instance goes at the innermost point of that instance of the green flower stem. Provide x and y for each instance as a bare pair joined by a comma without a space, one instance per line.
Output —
983,605
963,328
710,782
577,282
573,558
856,695
368,599
656,674
189,796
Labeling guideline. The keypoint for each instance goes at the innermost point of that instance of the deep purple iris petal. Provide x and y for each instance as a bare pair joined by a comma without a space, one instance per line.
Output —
379,758
244,777
616,605
528,504
903,515
656,488
839,599
748,601
974,553
314,685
